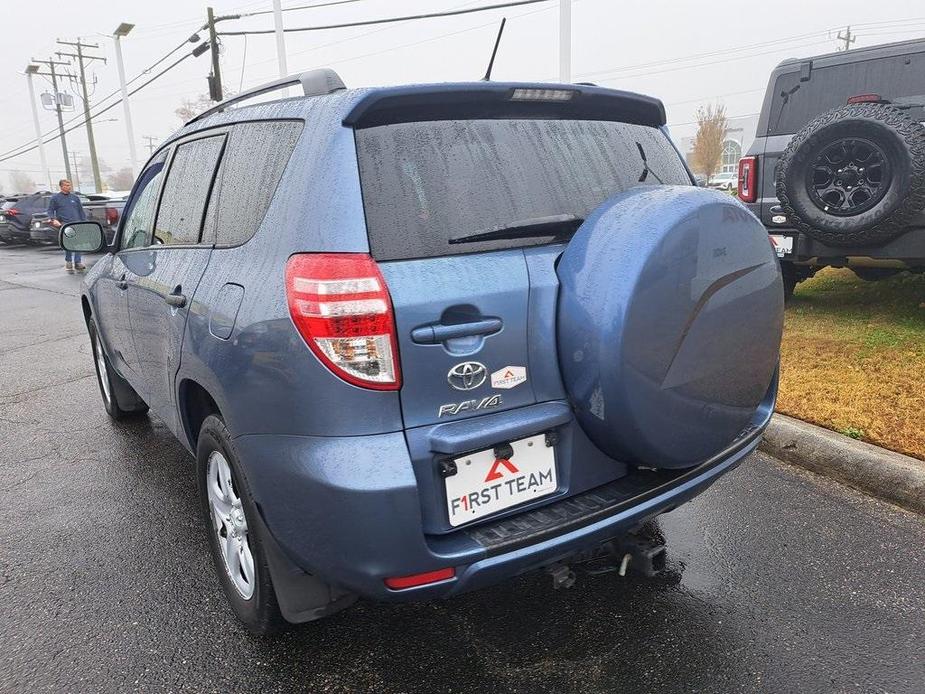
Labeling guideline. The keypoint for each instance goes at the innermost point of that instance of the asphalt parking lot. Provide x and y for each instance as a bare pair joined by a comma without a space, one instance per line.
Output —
778,581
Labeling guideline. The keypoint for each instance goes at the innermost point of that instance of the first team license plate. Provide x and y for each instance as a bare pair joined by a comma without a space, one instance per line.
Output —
484,484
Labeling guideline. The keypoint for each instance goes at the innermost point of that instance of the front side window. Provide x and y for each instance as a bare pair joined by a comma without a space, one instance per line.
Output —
139,212
186,191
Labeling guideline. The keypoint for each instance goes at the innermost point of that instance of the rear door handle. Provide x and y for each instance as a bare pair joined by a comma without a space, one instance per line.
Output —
175,300
434,334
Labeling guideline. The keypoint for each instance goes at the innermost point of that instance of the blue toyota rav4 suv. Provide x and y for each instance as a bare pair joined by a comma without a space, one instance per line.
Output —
422,339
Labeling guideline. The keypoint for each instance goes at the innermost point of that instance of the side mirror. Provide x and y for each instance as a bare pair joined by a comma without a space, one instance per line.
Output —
83,237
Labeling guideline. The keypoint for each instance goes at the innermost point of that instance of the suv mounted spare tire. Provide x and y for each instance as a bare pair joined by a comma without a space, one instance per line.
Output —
669,324
854,175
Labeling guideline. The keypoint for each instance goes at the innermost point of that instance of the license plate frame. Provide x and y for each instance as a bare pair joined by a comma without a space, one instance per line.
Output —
484,484
783,245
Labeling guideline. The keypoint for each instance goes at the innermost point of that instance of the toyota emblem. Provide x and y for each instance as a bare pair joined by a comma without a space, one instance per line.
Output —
467,376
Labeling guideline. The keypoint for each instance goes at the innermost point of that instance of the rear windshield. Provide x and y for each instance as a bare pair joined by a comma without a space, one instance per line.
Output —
425,183
795,103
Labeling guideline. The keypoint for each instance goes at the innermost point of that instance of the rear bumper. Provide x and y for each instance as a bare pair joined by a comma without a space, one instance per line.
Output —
13,234
908,249
347,511
44,235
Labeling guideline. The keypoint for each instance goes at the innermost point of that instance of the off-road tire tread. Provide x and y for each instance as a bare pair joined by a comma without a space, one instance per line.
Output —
910,131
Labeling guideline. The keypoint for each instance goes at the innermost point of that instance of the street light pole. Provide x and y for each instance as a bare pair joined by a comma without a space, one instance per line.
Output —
31,70
565,40
280,41
123,30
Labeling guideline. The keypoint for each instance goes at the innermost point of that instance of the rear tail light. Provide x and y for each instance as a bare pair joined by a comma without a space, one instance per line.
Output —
112,215
400,582
12,212
864,99
340,305
748,179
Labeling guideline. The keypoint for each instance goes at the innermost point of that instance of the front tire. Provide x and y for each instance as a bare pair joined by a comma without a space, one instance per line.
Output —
119,398
230,518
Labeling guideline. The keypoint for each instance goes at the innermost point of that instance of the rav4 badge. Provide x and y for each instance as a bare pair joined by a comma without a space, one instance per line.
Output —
508,377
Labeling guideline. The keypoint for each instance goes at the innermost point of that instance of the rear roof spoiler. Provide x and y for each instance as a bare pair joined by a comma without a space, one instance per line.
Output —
499,100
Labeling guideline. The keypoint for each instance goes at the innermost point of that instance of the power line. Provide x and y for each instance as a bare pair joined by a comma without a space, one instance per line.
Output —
388,20
102,111
137,77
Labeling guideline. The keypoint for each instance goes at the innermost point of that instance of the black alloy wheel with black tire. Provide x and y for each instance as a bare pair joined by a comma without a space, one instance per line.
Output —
230,518
855,175
119,398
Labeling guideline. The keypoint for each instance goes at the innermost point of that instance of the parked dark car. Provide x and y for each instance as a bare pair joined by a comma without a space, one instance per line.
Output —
837,170
41,231
107,210
17,225
6,204
422,339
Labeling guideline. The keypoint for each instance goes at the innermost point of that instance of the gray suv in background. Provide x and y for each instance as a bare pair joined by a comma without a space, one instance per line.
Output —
837,170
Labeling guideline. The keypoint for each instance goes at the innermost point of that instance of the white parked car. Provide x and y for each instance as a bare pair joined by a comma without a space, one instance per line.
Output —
724,181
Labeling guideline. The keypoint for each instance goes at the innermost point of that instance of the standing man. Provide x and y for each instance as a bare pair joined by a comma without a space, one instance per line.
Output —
65,207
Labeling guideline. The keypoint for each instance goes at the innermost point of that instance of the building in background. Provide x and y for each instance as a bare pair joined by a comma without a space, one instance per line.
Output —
739,137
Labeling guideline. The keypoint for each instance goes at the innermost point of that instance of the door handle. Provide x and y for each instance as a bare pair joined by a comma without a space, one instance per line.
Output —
175,300
122,284
435,334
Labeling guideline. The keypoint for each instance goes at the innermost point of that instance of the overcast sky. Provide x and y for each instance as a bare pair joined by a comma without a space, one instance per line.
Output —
655,47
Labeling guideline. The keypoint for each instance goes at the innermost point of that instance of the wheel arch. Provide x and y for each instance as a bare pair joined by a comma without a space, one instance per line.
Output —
195,403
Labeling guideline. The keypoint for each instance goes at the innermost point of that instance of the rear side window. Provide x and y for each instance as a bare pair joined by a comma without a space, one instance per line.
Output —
253,163
189,180
795,103
426,183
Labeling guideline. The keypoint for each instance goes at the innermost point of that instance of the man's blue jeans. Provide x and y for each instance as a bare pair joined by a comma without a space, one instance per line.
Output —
68,256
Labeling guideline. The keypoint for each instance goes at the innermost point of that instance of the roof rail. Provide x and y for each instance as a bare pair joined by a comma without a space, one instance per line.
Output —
314,83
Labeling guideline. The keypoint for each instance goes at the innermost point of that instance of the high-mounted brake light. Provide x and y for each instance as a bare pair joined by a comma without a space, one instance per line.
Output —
400,582
864,99
748,179
340,305
542,95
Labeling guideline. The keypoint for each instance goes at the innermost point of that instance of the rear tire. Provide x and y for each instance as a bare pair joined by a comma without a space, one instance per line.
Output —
119,398
230,519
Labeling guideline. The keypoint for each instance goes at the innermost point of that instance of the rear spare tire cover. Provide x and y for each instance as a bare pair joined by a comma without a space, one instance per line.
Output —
669,324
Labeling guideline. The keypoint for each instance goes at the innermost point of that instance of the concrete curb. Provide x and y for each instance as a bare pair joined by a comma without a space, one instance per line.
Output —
891,476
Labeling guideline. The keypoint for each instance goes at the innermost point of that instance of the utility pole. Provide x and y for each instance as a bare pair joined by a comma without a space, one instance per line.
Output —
215,79
54,85
76,171
32,70
280,41
94,162
565,40
122,30
151,144
848,38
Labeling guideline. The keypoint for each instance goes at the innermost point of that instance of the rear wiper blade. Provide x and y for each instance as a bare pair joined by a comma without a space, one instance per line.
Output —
553,225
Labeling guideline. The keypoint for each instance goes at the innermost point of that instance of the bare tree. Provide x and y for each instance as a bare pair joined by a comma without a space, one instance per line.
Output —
22,182
190,108
122,179
707,152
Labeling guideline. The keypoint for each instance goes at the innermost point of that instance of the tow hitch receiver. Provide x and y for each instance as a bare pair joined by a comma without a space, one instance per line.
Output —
628,553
